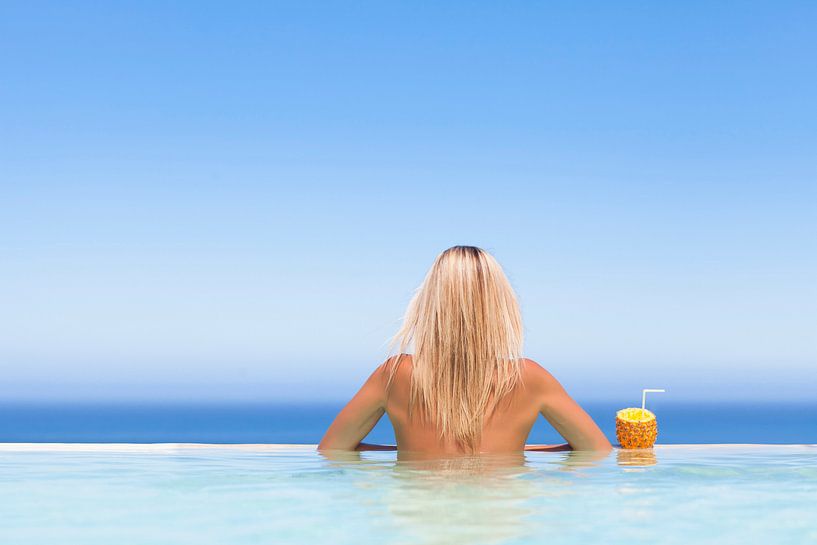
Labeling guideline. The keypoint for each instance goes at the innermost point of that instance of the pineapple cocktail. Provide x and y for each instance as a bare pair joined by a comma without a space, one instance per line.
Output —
637,428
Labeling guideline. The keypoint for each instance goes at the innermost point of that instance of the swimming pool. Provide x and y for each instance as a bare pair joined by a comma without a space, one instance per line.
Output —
259,494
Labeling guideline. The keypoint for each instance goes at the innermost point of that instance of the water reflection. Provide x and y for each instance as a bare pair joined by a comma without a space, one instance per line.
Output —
483,499
579,460
465,499
636,457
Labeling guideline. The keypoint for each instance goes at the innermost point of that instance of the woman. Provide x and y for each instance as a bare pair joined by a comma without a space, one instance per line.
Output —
467,388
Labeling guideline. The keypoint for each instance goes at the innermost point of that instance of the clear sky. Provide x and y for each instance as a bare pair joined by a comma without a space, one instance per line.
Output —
212,201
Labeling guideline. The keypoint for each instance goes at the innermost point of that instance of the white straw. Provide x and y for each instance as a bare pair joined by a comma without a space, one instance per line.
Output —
644,395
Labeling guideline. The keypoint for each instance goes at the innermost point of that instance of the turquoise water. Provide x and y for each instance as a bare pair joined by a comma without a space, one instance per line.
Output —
163,494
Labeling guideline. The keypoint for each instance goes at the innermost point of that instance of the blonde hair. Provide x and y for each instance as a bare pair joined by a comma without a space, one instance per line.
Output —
466,330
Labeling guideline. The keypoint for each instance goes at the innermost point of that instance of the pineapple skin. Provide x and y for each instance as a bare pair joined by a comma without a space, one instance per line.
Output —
636,434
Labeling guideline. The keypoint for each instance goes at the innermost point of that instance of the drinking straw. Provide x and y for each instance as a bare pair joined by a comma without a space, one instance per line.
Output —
644,395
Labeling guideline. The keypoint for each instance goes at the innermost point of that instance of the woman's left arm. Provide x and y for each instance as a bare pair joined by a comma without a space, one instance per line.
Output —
359,416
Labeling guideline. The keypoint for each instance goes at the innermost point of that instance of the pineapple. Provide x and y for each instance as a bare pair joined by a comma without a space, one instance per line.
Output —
636,428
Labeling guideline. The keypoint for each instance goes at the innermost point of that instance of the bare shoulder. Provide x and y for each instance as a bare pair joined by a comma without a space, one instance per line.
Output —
537,377
384,376
395,368
396,363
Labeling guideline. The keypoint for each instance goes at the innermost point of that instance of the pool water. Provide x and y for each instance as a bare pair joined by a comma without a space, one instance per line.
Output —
178,494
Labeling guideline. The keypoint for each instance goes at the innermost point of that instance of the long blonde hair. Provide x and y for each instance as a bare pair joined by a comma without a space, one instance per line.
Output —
466,330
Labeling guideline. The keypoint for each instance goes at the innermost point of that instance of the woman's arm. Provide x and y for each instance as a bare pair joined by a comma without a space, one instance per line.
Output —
564,414
358,417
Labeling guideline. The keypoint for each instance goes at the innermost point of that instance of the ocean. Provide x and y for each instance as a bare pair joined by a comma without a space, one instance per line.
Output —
679,423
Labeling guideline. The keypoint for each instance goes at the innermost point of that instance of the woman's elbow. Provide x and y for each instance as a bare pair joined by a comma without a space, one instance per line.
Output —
329,444
603,445
600,445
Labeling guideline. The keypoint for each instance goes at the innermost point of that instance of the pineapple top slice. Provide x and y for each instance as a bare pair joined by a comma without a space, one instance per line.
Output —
635,415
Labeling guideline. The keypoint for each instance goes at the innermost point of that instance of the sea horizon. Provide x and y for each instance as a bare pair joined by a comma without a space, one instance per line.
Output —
229,422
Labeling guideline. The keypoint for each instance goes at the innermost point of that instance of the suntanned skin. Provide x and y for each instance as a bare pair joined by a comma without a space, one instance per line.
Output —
505,431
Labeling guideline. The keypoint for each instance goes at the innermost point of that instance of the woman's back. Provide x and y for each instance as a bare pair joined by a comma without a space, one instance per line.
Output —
505,430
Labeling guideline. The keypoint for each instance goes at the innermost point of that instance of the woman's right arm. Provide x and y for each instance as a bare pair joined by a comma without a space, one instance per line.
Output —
358,417
565,415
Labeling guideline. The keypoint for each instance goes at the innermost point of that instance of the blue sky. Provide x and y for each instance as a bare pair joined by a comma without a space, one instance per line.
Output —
212,202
